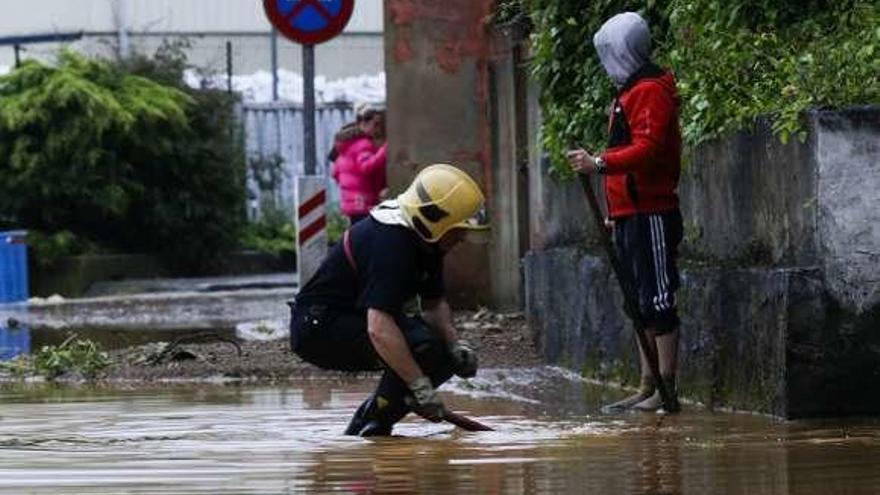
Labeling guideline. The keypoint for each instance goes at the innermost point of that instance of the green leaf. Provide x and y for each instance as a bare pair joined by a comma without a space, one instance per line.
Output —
735,61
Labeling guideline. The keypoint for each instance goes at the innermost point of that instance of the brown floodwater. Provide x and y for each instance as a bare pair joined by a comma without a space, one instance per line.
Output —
549,438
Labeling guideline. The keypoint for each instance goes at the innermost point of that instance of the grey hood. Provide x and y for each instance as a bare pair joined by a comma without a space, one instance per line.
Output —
624,46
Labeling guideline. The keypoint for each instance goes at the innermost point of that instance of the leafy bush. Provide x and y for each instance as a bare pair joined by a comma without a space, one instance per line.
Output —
74,355
61,132
47,249
113,157
272,233
769,58
193,203
734,60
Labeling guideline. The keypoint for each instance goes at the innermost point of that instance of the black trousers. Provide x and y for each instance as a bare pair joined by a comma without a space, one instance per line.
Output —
647,245
337,340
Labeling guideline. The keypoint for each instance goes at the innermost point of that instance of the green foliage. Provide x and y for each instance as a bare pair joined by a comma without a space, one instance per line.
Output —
741,61
192,205
575,92
61,129
735,61
336,225
112,155
47,249
272,233
81,356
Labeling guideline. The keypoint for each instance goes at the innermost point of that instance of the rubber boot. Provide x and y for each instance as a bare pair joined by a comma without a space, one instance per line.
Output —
382,410
368,420
655,402
646,390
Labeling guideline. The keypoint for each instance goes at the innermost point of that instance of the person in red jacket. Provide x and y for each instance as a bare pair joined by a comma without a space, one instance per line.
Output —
641,167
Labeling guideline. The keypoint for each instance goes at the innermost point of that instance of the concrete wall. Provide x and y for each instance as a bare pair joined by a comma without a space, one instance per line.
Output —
452,93
751,200
781,294
206,24
761,191
206,16
344,56
768,340
848,203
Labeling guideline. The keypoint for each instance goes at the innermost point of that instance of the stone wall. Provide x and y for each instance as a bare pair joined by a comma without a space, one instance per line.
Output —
779,301
750,200
847,150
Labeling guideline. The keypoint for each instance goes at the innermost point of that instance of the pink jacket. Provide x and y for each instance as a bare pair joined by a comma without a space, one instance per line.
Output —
359,169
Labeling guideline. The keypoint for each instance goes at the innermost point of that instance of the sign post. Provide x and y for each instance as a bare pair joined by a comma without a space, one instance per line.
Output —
308,57
309,22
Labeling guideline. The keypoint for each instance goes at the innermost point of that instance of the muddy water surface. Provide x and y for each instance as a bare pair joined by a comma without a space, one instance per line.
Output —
549,438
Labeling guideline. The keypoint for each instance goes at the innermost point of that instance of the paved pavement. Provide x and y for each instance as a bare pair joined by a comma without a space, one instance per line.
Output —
204,284
162,304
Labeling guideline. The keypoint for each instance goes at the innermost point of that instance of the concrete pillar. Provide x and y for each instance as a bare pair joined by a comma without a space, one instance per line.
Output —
450,99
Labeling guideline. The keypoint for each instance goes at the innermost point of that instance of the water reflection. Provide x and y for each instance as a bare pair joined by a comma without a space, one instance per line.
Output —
215,439
659,467
15,339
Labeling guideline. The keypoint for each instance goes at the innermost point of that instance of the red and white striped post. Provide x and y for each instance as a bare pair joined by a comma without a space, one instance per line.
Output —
311,225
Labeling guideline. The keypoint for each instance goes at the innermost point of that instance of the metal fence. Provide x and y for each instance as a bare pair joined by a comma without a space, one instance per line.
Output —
274,147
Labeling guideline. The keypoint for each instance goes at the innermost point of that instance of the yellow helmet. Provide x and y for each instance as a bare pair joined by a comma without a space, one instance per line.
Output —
442,198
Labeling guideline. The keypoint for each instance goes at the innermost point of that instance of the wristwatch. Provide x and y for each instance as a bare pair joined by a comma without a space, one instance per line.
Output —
600,165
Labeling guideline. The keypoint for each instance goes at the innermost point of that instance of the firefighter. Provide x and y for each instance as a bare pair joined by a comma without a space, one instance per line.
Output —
350,315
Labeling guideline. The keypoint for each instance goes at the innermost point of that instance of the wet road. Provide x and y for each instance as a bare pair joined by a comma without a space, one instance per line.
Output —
550,438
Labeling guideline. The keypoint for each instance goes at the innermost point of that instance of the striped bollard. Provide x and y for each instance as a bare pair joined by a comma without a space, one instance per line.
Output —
311,225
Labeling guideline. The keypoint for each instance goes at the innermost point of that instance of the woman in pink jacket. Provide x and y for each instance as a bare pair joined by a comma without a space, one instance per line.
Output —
359,166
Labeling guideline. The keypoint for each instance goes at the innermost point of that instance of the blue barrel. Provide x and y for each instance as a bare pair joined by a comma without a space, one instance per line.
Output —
13,267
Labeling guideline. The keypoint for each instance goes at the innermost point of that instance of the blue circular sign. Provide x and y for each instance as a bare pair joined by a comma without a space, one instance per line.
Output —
309,21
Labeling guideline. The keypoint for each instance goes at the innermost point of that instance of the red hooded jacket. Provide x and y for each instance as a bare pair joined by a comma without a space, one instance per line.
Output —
643,158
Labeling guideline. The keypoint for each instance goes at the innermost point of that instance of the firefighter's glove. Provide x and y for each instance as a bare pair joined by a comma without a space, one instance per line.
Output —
464,360
425,401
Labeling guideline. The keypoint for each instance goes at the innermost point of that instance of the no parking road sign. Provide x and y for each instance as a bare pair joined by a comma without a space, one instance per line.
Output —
309,22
